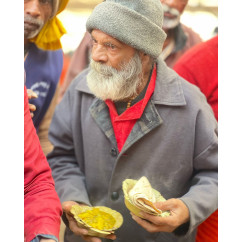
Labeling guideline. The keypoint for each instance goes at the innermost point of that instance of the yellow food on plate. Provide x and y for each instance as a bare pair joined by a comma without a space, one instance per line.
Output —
97,219
100,221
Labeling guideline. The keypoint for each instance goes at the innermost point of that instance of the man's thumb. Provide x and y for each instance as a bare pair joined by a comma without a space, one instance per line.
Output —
166,205
66,206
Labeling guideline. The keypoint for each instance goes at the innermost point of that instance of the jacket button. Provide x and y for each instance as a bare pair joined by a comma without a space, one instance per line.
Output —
113,152
114,196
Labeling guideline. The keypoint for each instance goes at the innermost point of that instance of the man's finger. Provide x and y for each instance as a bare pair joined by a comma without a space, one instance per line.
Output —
166,205
111,236
31,94
145,224
91,239
32,107
154,219
77,230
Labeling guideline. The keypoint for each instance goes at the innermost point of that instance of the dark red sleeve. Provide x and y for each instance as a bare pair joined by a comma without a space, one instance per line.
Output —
42,208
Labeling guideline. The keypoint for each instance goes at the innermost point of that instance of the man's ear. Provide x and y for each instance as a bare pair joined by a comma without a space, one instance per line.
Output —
142,56
145,58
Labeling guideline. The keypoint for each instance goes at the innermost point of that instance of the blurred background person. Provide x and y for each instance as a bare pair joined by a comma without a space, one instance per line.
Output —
44,60
199,66
179,39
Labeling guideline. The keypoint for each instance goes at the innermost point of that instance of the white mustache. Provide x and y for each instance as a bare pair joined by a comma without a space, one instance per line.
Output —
103,69
29,19
169,10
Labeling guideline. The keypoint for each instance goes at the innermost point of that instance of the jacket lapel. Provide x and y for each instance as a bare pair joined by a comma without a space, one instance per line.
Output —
100,113
168,91
149,120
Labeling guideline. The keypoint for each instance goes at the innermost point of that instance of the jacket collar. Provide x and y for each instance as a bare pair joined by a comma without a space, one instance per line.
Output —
168,88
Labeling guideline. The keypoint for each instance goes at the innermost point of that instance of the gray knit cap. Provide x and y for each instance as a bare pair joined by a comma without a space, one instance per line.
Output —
137,23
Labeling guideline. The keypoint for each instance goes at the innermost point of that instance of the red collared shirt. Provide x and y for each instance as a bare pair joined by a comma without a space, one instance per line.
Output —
123,124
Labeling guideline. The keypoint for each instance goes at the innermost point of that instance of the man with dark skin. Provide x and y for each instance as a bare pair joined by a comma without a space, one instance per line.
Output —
36,14
173,9
43,60
128,116
180,38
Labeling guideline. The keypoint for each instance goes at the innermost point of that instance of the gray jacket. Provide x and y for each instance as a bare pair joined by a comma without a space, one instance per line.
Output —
173,144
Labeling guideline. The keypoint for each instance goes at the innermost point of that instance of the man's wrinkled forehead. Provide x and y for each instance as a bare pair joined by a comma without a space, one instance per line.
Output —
96,33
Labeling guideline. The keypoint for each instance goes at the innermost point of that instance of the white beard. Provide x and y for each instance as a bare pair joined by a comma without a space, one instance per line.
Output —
171,23
107,82
31,34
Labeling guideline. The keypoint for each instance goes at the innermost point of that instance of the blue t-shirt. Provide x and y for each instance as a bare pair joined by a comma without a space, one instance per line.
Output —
43,70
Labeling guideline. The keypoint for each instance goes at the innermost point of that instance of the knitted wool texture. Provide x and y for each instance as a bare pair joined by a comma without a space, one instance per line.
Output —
137,23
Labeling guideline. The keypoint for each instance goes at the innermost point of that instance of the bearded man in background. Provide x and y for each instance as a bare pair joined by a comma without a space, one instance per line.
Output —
180,38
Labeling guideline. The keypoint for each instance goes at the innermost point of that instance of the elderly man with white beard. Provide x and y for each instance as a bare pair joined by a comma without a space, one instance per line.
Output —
180,38
129,116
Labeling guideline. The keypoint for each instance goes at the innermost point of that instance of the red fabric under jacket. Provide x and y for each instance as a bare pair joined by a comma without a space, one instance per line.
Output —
200,67
42,208
123,124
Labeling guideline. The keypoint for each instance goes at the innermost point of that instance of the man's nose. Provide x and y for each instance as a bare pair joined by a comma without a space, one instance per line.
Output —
99,54
33,8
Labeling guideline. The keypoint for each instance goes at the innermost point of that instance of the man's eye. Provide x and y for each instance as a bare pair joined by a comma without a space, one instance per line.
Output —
94,41
46,1
111,46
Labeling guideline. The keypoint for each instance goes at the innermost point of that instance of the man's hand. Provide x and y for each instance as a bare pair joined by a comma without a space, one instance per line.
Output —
66,206
32,107
179,215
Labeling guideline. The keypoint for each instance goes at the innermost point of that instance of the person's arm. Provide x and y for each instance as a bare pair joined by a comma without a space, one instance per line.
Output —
42,208
201,200
68,175
202,197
